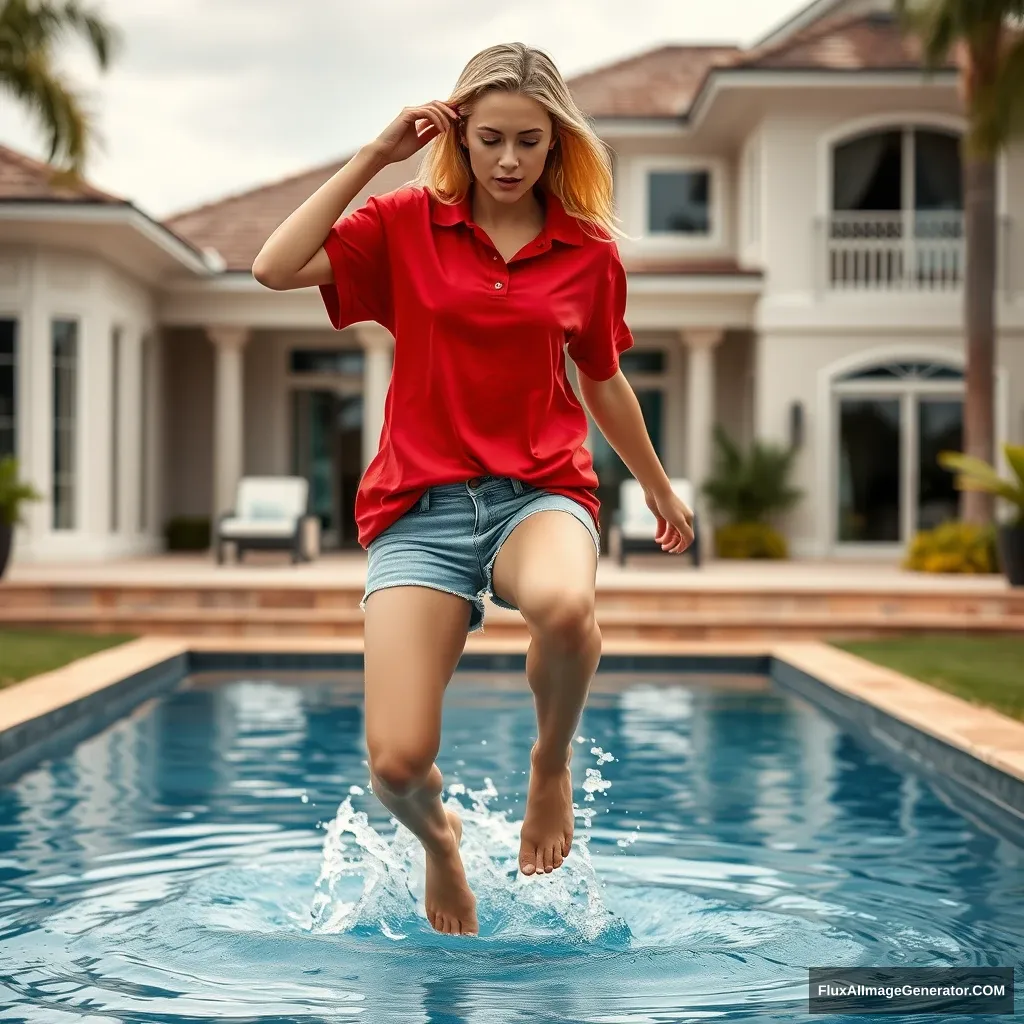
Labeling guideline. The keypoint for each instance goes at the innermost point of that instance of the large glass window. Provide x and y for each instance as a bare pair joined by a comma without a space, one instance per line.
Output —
115,429
8,387
64,338
679,202
899,169
145,389
327,360
894,419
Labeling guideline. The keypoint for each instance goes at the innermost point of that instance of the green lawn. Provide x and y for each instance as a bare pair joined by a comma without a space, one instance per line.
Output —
983,670
24,654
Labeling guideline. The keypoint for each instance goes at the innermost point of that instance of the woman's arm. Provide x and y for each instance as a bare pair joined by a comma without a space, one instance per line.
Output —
293,256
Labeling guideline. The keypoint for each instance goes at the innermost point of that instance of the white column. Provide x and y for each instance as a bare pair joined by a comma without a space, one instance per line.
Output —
700,402
378,346
228,423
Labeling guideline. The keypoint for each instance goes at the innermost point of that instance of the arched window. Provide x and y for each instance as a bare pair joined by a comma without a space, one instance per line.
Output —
897,210
904,371
897,169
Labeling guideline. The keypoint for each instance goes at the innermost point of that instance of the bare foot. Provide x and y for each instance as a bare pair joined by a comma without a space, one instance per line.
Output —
548,826
451,905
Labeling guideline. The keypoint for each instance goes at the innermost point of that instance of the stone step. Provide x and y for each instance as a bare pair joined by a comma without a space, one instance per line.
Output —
105,599
615,623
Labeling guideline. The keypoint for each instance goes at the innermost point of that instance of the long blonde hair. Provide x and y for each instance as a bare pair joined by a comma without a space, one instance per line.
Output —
578,169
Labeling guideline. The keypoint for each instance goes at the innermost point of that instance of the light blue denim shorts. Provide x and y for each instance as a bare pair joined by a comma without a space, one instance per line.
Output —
451,537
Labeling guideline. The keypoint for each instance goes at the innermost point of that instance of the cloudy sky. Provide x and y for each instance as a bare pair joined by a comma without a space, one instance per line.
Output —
210,97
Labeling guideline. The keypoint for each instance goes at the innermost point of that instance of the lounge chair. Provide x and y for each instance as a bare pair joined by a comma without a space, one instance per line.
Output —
269,514
635,525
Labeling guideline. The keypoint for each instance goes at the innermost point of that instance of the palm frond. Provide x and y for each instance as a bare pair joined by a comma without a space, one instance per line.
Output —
936,24
55,107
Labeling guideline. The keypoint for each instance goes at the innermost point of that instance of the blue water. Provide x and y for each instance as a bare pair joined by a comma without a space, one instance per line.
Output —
217,856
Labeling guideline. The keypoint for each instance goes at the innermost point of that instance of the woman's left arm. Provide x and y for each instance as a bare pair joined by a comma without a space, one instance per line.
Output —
614,407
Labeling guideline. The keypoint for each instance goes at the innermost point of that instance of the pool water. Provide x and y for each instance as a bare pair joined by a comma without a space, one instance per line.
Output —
218,856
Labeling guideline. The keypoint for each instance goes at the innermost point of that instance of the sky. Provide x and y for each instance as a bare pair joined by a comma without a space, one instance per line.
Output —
211,97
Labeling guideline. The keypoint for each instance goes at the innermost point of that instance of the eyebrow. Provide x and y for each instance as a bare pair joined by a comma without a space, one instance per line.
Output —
526,131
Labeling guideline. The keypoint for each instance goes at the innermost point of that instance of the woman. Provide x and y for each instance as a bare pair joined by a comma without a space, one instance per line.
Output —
499,254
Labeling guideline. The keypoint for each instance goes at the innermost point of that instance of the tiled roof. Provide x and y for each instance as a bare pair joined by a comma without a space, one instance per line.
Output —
860,43
238,226
22,178
658,83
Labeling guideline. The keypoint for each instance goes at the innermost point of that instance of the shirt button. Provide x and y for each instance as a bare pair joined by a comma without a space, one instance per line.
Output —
494,257
497,284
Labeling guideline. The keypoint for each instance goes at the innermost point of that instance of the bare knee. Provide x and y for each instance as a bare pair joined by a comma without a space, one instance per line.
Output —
563,617
402,769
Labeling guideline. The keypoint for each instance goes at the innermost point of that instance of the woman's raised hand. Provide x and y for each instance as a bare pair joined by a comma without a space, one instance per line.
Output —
413,129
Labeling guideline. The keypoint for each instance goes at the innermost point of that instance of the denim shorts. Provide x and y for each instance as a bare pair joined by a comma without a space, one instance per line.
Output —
450,538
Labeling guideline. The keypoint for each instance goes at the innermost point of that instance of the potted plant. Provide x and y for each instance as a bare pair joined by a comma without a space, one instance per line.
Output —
748,488
975,474
13,492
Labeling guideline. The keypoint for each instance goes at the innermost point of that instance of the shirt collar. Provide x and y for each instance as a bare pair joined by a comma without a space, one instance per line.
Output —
558,224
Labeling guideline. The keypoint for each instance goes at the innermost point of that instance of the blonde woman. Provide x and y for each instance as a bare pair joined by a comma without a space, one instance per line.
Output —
484,269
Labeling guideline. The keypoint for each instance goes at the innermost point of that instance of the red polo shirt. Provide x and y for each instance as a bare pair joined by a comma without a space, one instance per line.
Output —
478,384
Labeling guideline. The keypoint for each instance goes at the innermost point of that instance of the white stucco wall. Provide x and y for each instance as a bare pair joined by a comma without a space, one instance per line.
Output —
38,285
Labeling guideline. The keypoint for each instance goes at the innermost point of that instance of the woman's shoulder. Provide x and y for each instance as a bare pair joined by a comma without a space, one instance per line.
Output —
409,196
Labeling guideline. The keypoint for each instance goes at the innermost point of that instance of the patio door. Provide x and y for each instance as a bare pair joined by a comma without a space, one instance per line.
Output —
889,433
647,373
327,441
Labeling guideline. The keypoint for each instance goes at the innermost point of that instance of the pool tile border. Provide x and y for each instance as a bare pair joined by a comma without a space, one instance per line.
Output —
978,751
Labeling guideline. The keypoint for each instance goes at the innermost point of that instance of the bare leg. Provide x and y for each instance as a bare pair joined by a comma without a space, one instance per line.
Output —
405,684
547,567
559,667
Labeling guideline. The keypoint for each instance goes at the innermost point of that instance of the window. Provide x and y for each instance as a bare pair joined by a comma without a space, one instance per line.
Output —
145,361
327,360
906,371
8,387
679,202
64,347
643,361
754,194
899,169
115,428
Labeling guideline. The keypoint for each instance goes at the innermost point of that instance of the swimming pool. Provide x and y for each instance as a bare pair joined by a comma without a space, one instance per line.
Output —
216,856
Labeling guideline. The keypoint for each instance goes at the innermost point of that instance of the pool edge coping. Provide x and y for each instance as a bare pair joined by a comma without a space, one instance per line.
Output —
987,735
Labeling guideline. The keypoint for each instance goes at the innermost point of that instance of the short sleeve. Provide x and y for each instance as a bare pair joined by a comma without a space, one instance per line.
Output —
357,249
596,348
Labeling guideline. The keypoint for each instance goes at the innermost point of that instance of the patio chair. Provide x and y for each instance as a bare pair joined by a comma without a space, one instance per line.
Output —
635,525
269,514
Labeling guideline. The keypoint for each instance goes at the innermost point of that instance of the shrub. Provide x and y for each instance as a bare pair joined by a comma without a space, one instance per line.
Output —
751,486
188,533
749,540
954,547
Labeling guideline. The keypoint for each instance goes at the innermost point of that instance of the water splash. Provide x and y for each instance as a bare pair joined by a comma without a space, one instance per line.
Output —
370,885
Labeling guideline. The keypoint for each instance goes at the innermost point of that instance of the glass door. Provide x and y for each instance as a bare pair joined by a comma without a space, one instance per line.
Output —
315,456
870,470
890,483
940,427
327,449
611,470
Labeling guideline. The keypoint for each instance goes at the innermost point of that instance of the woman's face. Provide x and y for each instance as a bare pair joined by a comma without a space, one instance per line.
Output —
508,136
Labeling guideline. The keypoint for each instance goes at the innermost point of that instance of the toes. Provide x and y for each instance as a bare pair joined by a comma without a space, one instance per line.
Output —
540,862
549,859
527,861
557,862
566,846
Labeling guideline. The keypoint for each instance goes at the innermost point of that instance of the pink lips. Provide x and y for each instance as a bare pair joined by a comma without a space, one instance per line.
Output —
509,181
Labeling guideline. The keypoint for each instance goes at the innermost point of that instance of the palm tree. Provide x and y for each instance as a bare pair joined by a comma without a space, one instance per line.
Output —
29,32
982,35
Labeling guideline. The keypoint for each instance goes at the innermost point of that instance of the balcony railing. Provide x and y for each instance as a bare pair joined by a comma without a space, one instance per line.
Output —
902,251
